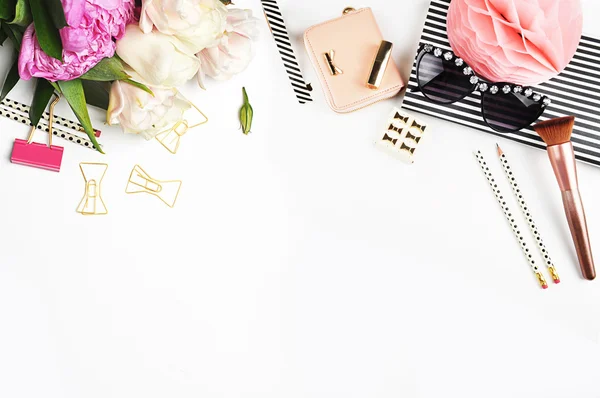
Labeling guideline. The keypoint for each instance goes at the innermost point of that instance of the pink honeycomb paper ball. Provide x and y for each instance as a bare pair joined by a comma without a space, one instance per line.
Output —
518,41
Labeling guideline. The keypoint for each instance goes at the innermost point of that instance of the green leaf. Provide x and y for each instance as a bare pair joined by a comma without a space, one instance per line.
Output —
246,114
73,92
22,13
14,33
3,36
140,86
107,70
226,2
41,98
12,78
57,13
96,93
45,31
7,9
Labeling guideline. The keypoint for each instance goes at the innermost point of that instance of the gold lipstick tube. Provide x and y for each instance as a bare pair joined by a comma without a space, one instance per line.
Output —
380,65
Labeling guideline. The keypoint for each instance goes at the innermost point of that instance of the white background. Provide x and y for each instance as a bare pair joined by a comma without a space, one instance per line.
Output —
299,261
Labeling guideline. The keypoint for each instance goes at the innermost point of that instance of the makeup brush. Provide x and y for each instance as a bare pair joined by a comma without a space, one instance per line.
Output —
556,133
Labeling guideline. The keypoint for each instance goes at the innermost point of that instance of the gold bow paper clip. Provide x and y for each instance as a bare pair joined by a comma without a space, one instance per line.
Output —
92,203
141,182
171,138
333,69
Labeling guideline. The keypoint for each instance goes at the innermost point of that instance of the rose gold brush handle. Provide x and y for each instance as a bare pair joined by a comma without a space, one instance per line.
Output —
562,158
579,231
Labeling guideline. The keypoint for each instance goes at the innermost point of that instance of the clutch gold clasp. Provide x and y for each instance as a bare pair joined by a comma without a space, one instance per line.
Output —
333,69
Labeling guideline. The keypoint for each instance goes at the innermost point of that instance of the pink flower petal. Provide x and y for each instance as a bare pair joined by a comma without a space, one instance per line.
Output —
93,24
520,41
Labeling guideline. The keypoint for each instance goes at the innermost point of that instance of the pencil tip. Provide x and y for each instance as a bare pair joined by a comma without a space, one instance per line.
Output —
500,152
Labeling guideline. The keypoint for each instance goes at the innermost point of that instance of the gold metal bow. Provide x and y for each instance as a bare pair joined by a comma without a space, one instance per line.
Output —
92,203
171,138
140,182
333,69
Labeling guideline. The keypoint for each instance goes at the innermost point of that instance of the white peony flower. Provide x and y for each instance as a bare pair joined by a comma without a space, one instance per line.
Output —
159,59
234,50
197,23
138,112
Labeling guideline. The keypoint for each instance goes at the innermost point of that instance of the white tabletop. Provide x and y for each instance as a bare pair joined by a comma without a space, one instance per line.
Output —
299,261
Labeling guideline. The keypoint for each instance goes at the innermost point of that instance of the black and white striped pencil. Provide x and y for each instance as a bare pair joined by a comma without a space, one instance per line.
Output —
18,107
527,213
510,218
284,46
57,127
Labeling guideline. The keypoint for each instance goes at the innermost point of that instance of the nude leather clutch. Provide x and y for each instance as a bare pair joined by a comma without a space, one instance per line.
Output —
342,52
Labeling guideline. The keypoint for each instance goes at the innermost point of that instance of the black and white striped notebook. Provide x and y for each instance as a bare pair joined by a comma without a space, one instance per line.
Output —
284,46
576,91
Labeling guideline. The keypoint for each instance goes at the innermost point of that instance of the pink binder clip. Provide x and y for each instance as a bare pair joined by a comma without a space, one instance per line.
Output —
28,153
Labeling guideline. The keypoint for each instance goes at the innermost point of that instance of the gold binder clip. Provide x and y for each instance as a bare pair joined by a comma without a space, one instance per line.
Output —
92,203
171,138
141,182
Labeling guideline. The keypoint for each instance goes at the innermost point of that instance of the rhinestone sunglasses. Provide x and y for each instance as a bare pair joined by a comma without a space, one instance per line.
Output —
444,78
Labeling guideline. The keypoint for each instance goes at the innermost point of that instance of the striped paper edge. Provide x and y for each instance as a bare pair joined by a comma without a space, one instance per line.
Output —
284,46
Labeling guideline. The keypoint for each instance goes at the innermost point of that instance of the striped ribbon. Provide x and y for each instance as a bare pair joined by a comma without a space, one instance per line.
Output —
284,46
576,91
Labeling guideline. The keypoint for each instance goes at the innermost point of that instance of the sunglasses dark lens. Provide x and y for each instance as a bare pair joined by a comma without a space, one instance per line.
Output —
442,81
507,113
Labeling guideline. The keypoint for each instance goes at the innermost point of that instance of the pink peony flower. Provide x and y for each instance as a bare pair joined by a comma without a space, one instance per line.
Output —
518,41
86,41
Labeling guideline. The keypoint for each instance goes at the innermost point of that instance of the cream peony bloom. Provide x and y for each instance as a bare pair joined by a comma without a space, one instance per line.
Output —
196,23
138,112
159,59
234,51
